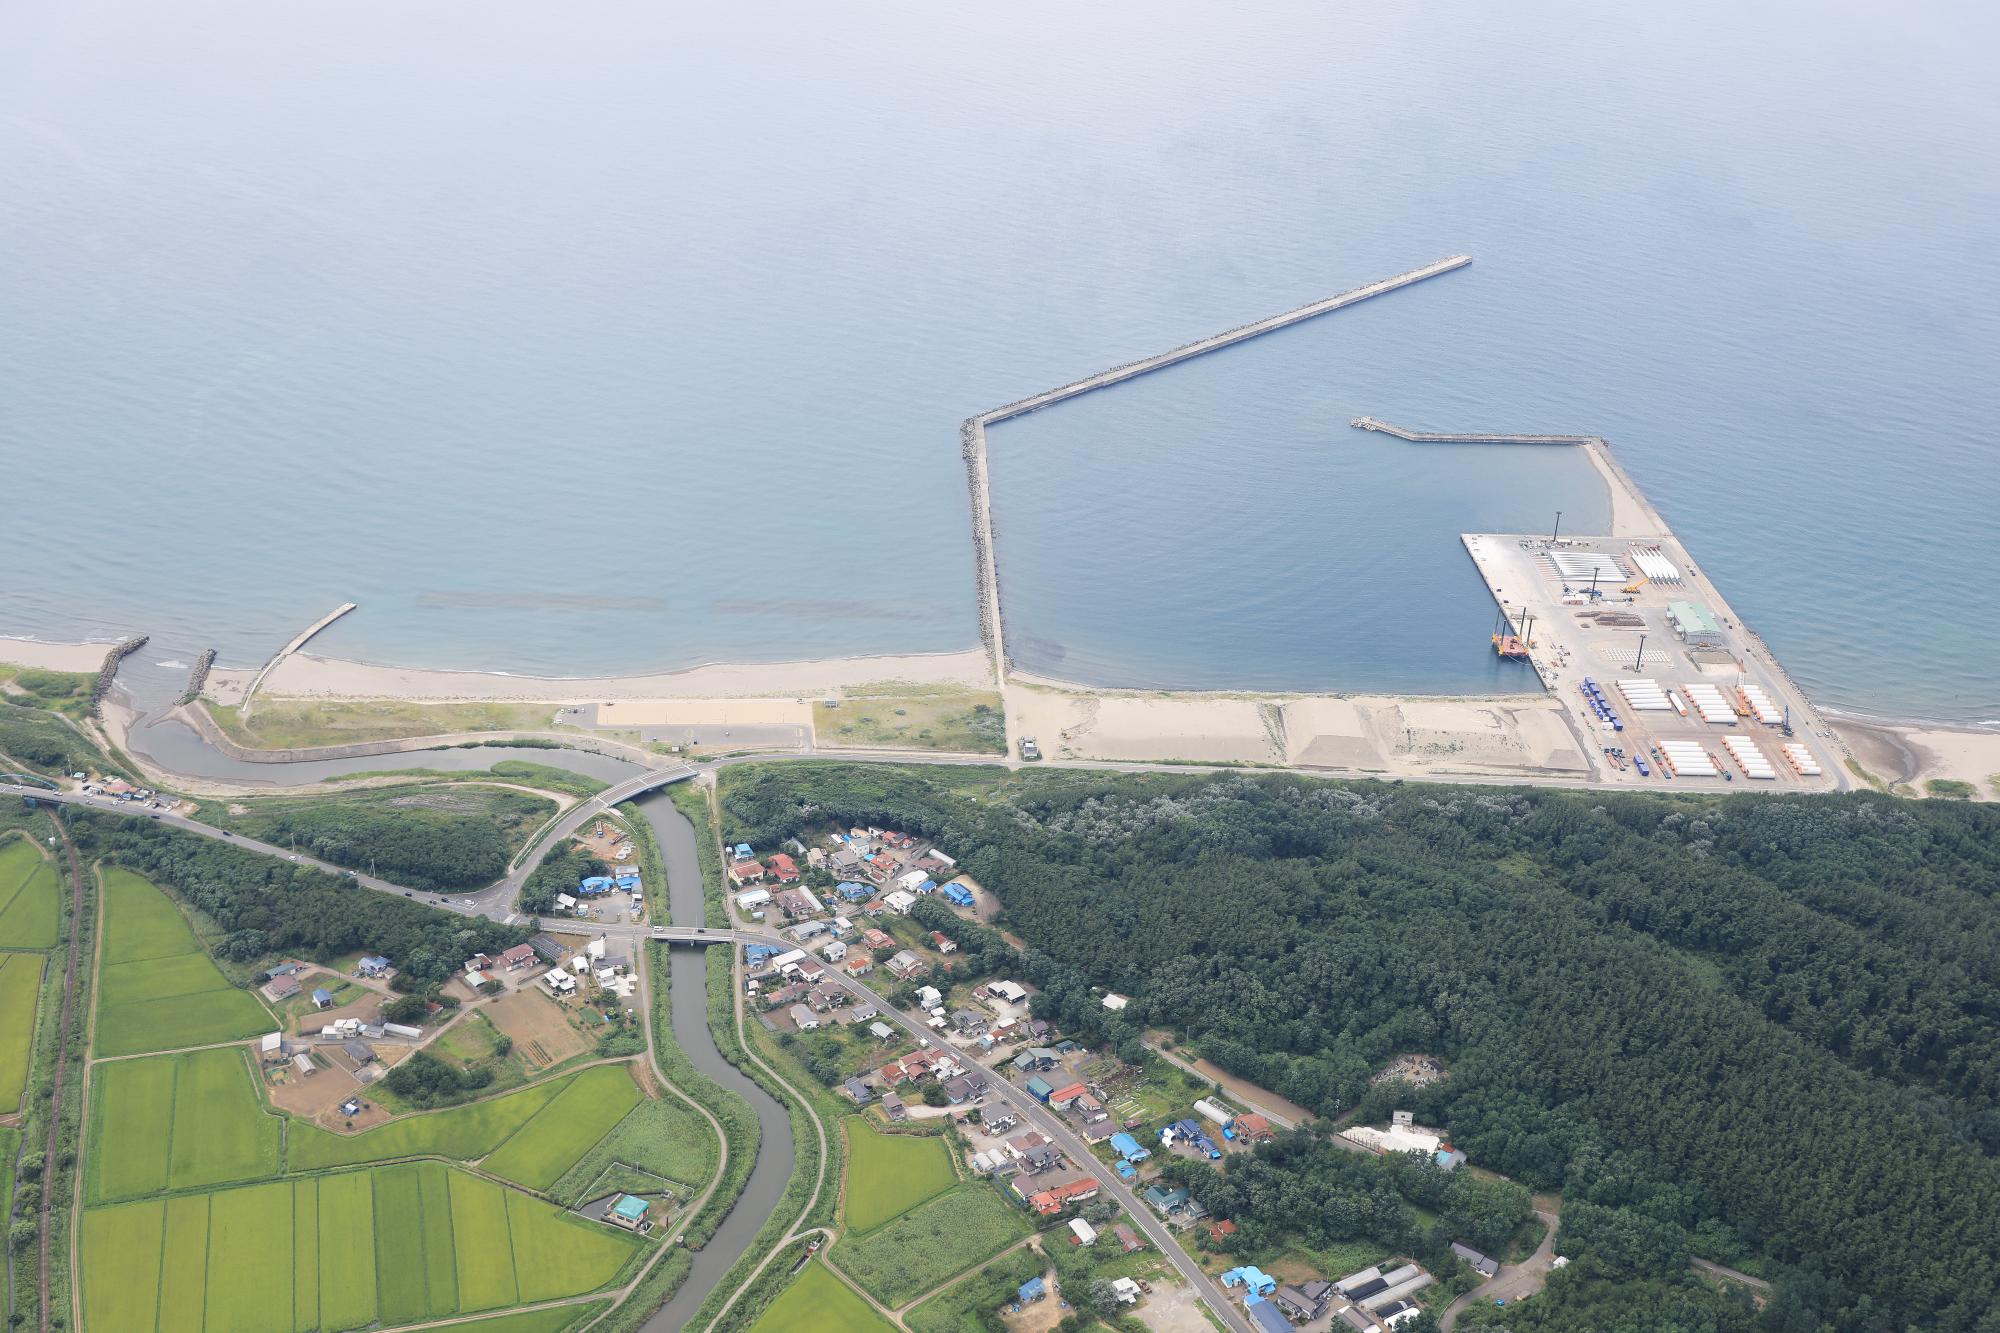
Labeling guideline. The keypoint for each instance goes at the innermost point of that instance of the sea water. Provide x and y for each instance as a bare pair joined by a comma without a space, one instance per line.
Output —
602,340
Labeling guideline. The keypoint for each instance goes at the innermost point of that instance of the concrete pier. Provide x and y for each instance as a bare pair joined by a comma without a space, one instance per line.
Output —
972,444
297,643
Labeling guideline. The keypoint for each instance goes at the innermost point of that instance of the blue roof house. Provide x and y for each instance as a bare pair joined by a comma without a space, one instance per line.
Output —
1267,1317
742,852
1128,1147
1252,1279
323,998
373,965
595,885
1032,1290
853,892
959,894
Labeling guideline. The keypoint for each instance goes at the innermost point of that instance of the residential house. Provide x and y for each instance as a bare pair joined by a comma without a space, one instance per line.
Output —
1483,1264
860,965
745,872
905,965
968,1021
1009,991
854,893
560,983
359,1052
1304,1301
1167,1201
1252,1128
1052,1201
844,862
1128,1147
804,1019
1221,1230
929,997
783,868
899,901
373,965
857,1092
1254,1280
795,903
1266,1317
741,852
1035,1059
1060,1098
520,956
825,998
833,951
1128,1239
877,939
881,1032
1089,1109
892,1105
322,998
1084,1233
752,899
281,988
943,942
1037,1160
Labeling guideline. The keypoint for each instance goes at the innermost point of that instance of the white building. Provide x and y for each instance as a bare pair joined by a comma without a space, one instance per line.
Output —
1115,1002
1086,1234
560,983
750,898
899,901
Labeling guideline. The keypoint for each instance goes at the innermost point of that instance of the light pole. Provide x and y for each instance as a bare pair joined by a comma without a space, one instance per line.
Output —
1639,662
1559,528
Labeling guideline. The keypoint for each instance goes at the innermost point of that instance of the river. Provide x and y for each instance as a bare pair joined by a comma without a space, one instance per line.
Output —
688,972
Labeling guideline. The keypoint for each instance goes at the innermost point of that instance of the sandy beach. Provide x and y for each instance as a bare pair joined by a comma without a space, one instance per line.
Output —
83,657
304,676
1917,754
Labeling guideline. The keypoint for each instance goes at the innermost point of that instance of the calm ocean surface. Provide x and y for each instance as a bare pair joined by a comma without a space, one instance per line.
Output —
617,338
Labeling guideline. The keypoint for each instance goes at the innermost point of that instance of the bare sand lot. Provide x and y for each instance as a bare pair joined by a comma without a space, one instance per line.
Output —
42,656
1920,755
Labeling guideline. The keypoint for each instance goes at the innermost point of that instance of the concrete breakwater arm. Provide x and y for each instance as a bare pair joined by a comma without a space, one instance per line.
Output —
1435,437
973,441
292,647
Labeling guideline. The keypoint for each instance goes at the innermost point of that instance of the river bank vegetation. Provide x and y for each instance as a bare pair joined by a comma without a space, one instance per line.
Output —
1768,1024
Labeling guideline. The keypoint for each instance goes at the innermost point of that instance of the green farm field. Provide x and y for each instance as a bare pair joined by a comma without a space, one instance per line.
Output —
158,990
463,1132
394,1244
20,985
965,1306
898,1262
177,1122
663,1137
889,1174
581,1114
821,1302
30,897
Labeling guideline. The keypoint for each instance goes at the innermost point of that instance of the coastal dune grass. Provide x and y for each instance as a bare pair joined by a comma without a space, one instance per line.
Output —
158,990
889,1174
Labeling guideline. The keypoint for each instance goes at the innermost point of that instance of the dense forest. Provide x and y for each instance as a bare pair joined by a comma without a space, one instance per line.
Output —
437,850
268,906
1770,1024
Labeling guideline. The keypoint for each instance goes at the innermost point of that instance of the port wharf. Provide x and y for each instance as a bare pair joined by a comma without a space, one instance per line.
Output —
972,445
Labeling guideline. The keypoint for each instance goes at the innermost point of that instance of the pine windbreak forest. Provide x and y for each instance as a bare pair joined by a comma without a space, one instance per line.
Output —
1763,1030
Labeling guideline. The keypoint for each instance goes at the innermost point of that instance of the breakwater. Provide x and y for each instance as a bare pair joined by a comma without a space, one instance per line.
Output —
1434,437
972,443
297,643
109,671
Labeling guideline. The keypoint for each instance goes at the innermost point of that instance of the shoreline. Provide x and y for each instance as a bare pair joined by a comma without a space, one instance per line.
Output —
41,655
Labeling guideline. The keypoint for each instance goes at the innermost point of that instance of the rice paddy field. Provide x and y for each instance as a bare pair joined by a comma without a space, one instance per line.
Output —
30,897
664,1138
568,1127
394,1244
902,1260
821,1302
176,1122
157,990
463,1132
20,987
889,1174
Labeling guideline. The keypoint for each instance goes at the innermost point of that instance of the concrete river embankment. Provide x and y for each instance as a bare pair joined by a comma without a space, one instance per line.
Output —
688,987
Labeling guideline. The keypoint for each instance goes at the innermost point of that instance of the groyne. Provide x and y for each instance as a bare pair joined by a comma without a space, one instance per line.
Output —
198,677
297,643
109,671
972,445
